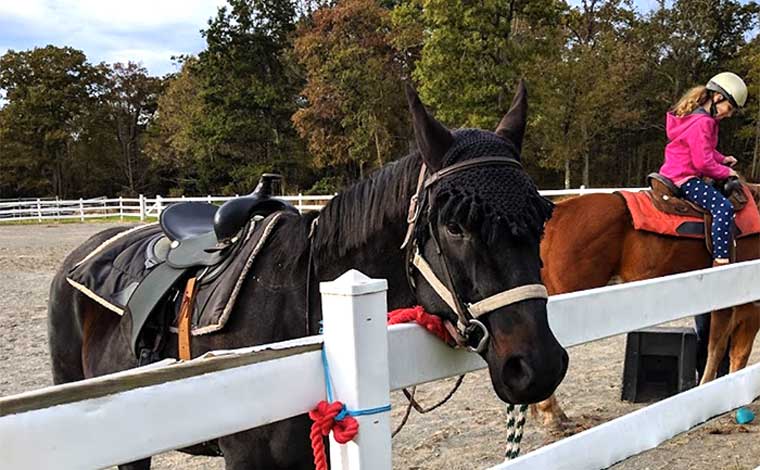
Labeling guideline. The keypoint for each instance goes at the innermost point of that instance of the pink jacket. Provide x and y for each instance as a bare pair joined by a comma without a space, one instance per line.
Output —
691,150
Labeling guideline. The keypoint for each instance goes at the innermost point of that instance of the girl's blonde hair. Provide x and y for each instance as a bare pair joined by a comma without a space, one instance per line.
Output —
691,100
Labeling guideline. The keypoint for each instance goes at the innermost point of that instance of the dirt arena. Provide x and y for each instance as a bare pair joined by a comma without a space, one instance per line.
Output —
466,433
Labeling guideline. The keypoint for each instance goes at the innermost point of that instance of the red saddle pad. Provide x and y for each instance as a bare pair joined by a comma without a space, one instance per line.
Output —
646,217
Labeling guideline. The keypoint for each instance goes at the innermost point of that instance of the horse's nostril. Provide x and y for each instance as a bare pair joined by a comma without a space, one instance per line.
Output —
517,373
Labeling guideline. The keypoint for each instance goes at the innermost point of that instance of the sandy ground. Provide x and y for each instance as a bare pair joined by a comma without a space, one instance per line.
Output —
466,433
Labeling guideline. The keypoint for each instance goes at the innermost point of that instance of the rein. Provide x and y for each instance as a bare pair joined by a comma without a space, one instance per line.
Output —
467,323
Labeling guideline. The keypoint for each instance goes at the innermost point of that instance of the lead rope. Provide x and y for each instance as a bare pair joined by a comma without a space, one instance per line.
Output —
516,416
413,403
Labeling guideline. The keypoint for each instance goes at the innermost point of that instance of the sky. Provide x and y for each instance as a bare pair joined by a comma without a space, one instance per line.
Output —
146,31
149,32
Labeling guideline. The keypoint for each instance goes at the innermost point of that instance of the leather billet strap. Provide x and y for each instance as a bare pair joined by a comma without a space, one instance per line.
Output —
414,207
183,322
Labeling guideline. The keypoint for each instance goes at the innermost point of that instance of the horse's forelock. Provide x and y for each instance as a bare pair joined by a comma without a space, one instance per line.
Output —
515,210
496,200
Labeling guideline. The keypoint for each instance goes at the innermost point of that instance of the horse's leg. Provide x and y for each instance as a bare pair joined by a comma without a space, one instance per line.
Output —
581,249
551,412
721,323
284,445
746,325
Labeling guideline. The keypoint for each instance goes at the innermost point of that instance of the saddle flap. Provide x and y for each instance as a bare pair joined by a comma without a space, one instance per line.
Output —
198,251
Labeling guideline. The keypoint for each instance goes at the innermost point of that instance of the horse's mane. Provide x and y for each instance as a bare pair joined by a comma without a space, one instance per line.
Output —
349,220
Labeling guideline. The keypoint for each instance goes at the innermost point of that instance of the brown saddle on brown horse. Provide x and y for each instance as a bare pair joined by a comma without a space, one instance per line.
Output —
661,210
666,197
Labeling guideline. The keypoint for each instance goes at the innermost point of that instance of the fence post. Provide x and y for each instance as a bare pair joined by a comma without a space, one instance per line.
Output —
159,208
208,198
81,210
356,345
142,208
299,206
121,208
39,210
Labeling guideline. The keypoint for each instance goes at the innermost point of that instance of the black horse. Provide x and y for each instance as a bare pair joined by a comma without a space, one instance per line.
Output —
476,223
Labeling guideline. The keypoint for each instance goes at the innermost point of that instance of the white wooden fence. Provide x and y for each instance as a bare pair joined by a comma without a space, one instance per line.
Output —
100,422
121,207
142,207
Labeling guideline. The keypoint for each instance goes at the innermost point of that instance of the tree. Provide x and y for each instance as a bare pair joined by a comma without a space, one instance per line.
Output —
49,91
355,115
170,143
584,88
471,53
248,88
131,100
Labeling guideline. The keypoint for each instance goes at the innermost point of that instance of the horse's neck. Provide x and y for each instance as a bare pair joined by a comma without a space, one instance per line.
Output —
380,255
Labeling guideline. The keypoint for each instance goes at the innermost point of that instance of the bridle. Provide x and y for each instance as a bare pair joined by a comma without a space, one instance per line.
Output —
468,314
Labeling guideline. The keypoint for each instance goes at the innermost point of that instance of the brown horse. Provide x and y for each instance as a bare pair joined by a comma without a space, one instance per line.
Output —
591,238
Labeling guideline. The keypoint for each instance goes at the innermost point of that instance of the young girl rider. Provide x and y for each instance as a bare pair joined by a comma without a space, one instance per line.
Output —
692,129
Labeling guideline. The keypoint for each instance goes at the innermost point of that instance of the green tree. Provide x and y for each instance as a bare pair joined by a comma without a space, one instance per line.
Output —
584,89
248,87
49,91
131,100
470,55
170,143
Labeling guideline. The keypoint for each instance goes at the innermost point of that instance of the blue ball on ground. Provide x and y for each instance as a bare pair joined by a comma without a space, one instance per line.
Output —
744,415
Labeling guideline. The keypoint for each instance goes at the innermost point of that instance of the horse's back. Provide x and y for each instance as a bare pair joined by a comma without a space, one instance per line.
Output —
583,241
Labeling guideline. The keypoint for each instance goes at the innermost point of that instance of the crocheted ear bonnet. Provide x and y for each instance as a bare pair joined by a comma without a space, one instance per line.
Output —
494,200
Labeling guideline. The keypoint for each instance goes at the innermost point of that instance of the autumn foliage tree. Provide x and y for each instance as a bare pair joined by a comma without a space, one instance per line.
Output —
354,118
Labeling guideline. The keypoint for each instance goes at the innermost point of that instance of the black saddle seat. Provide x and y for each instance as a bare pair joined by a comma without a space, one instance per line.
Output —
187,220
190,220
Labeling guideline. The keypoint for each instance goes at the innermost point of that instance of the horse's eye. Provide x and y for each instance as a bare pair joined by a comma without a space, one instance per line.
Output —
454,229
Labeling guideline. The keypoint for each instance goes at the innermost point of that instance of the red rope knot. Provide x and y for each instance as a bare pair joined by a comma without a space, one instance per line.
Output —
432,323
335,417
330,417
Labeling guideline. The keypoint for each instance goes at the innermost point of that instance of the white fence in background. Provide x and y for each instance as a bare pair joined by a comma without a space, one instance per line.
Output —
101,422
142,207
121,207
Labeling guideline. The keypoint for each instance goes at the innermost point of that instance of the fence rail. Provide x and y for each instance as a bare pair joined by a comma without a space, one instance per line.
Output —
102,421
143,207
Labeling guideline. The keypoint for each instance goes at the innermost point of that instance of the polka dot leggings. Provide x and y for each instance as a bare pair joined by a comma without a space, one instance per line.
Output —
709,198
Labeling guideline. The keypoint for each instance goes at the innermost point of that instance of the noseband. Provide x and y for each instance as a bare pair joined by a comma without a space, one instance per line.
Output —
467,313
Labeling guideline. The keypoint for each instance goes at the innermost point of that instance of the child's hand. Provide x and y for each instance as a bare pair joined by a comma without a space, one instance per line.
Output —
731,171
730,161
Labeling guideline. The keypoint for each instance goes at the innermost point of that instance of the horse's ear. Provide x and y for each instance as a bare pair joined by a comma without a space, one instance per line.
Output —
433,139
512,125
